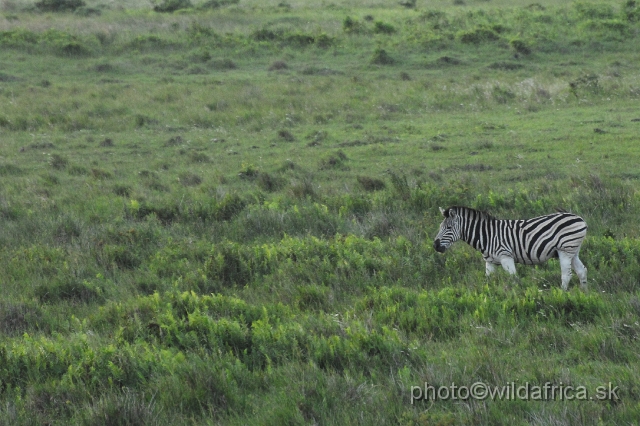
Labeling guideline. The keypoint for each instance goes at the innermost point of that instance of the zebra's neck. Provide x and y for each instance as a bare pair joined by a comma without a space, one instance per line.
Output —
478,231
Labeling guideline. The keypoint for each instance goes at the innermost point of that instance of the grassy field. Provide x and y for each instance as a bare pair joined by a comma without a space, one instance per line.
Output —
224,214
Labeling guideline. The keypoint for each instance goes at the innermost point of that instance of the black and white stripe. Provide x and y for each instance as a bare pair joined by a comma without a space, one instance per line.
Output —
506,242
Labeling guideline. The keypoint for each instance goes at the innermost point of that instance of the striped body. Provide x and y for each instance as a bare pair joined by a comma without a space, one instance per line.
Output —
529,241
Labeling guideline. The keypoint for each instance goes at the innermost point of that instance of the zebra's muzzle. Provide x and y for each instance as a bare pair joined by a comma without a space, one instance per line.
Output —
438,247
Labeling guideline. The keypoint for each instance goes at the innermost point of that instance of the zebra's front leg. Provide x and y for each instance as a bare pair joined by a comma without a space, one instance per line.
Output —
490,269
509,265
565,267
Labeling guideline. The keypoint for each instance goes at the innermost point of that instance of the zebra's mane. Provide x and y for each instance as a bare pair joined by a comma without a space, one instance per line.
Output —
477,213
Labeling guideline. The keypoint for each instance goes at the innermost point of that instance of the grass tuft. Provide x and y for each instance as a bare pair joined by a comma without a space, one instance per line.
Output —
381,57
66,289
59,5
107,143
371,184
169,6
189,179
58,161
278,66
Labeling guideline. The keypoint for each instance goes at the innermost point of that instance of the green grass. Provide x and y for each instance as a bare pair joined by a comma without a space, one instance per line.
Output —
226,215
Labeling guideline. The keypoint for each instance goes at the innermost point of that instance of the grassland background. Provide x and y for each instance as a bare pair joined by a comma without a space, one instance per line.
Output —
225,215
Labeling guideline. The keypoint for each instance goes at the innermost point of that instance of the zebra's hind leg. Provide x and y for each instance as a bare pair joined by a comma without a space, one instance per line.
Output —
565,267
509,265
581,270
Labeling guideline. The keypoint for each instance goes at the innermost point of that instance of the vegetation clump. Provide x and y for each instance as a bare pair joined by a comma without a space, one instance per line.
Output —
58,161
214,4
59,5
286,135
587,83
278,65
269,183
383,28
520,46
189,179
353,26
335,160
381,57
371,184
169,6
478,35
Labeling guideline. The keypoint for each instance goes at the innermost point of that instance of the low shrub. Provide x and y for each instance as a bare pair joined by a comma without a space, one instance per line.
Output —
215,4
17,318
380,27
478,35
169,6
269,183
336,160
59,5
371,184
381,57
520,46
353,26
58,161
189,179
69,289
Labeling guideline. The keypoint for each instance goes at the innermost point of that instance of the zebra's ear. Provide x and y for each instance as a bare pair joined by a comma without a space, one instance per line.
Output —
444,212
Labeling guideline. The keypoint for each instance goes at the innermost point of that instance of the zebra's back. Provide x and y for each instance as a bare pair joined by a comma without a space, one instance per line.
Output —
538,239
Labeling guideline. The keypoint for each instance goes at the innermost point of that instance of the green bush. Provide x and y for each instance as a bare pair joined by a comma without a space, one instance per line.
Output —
441,314
380,27
371,184
58,161
593,10
119,256
248,171
70,289
121,407
478,35
229,207
353,26
17,318
59,5
8,169
381,57
336,160
169,6
520,46
228,264
631,11
312,297
189,179
74,48
88,11
214,4
291,37
269,183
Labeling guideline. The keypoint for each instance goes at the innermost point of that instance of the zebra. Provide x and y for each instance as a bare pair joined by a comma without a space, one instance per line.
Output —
530,241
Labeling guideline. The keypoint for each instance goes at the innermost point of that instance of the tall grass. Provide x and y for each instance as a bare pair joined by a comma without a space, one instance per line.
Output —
226,215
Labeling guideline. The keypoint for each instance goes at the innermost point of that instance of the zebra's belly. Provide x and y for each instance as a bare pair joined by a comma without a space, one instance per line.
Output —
524,259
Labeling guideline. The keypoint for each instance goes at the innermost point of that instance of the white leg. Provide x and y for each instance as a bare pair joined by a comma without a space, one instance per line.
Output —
508,265
565,267
581,270
490,268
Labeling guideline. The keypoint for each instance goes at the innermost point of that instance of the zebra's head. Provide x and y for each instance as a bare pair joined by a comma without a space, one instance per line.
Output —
449,230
